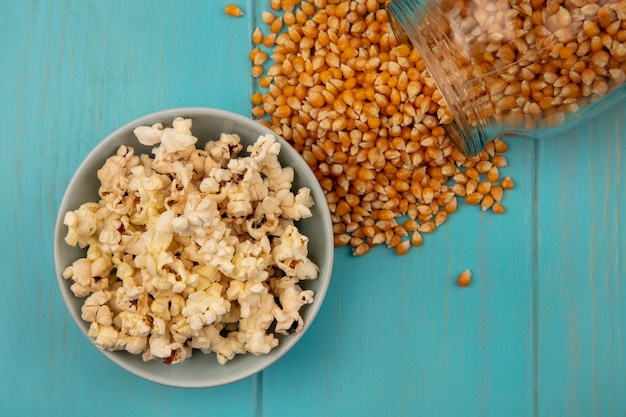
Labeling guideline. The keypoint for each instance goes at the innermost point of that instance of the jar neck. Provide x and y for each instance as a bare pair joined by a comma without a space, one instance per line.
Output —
425,26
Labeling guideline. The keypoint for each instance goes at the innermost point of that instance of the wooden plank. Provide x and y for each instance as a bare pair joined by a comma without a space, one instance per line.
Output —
397,336
72,72
581,310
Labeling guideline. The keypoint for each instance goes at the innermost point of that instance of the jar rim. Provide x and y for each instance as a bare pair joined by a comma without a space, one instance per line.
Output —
409,23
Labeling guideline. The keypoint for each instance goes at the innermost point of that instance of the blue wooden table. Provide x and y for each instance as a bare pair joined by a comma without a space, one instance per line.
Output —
541,331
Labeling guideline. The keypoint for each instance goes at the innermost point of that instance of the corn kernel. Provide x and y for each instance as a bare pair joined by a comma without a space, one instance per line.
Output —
464,279
507,183
498,208
257,36
473,198
232,10
403,247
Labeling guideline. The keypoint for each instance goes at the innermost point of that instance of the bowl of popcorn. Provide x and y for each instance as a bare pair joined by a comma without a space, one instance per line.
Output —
193,247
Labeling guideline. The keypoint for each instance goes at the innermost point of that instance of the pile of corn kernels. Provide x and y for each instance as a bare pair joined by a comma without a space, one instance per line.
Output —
367,118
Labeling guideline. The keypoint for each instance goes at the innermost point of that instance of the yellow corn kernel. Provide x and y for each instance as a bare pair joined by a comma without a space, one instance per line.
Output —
483,167
440,218
464,279
256,98
417,239
232,10
500,145
472,173
493,175
257,71
497,208
341,240
507,183
484,188
403,247
258,111
362,249
473,198
257,36
264,82
486,202
269,40
267,17
451,206
276,25
497,193
498,161
282,111
427,227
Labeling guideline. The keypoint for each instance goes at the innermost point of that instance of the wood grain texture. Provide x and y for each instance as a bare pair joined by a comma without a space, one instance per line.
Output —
71,73
581,307
539,332
397,336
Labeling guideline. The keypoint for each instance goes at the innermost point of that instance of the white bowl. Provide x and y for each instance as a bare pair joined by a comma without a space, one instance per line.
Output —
201,370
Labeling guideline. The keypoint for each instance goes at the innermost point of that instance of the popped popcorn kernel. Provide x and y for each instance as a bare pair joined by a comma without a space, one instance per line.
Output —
192,249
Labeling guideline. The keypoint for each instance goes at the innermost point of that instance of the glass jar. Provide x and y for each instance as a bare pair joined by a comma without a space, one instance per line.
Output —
517,67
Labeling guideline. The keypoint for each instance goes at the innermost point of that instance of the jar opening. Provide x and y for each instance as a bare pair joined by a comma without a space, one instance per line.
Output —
412,21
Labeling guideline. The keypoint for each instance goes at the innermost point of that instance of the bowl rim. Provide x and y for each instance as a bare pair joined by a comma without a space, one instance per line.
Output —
324,276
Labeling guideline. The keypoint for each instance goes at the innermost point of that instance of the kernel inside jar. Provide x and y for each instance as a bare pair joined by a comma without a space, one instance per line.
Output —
524,66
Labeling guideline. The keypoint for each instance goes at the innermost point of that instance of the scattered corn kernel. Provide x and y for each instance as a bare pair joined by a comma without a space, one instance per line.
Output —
416,239
267,17
474,198
498,208
493,175
257,71
507,183
500,145
486,202
275,4
427,227
276,25
269,40
497,192
465,278
361,249
257,36
484,187
403,247
232,10
341,239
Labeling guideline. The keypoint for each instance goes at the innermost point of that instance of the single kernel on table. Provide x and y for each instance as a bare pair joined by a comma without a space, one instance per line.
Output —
507,183
464,278
498,208
403,247
233,10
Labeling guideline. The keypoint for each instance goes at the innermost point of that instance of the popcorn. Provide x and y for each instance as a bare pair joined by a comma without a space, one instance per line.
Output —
105,337
85,281
135,324
209,340
149,135
291,297
192,249
290,255
95,308
82,225
205,307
